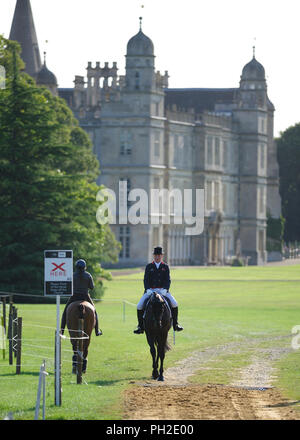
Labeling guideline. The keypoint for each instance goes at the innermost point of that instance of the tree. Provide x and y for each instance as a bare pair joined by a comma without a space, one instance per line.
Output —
288,150
47,189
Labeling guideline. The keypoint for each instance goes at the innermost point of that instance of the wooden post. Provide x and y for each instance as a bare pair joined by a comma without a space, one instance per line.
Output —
4,312
80,351
10,334
19,345
3,340
15,329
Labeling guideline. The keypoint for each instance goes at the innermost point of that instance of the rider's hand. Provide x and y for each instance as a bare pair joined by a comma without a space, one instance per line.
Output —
164,291
149,291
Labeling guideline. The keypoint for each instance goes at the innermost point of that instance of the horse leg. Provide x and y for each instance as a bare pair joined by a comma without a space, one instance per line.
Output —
153,354
161,350
155,362
85,355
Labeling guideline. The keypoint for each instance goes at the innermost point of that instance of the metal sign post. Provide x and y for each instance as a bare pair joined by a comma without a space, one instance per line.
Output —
58,282
57,355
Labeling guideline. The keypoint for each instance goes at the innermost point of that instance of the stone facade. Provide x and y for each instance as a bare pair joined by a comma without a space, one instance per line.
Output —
154,136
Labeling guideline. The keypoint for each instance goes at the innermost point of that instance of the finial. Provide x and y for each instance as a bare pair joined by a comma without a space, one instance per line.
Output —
45,53
141,19
253,47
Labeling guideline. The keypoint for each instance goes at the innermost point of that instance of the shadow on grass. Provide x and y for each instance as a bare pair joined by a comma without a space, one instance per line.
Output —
23,373
126,380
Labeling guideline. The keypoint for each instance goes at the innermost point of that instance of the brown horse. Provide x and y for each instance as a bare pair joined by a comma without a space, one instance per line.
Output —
157,322
75,311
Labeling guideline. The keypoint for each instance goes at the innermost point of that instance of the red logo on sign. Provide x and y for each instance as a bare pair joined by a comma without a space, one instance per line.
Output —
61,270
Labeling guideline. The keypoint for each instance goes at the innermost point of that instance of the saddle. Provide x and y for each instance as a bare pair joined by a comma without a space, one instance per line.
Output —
166,301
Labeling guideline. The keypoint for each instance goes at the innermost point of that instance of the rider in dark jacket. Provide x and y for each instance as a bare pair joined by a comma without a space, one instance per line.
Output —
82,282
157,278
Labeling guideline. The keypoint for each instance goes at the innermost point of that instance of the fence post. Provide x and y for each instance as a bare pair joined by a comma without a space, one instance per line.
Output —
4,312
2,336
19,345
44,390
15,329
42,384
10,334
80,351
57,381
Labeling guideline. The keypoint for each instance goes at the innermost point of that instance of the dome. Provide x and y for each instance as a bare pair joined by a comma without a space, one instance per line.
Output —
45,77
253,70
140,44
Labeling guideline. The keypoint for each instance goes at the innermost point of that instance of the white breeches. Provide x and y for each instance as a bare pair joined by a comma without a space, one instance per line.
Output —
163,292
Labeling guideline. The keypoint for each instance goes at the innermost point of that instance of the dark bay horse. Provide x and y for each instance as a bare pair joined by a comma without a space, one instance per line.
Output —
75,311
157,321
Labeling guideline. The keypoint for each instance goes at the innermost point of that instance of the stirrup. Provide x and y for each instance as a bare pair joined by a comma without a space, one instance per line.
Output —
178,328
138,331
99,332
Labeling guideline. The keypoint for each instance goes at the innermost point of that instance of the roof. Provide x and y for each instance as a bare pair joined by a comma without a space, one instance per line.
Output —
23,31
139,45
253,70
46,77
199,99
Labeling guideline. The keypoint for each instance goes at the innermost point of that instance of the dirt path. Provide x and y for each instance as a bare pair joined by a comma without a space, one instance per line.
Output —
249,397
210,402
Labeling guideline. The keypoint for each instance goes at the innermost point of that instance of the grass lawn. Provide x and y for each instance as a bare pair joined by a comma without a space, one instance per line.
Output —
216,305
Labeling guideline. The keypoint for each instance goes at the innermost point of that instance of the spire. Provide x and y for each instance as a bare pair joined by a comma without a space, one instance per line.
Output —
23,31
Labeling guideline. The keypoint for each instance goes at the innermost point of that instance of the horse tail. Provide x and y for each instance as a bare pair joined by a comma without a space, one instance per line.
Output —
81,311
167,347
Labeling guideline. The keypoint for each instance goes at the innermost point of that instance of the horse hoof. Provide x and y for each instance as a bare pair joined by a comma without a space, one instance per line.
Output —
161,378
154,375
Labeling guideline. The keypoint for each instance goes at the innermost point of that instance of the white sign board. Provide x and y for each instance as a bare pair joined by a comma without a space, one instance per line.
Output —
58,273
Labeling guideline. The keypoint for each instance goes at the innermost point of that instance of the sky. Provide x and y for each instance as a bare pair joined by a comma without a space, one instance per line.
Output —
200,44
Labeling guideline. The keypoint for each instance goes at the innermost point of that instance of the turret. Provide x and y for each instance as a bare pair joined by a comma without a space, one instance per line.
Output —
253,86
46,78
140,57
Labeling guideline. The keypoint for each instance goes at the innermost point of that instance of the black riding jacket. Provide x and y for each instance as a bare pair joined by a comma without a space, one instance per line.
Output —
157,278
82,282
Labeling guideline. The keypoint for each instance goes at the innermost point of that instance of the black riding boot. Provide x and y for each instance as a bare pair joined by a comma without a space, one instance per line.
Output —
176,326
97,331
140,328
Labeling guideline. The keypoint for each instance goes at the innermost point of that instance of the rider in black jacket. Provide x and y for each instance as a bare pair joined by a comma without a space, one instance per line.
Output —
82,282
157,278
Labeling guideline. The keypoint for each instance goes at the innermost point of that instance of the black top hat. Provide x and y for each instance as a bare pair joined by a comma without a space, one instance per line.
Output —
158,250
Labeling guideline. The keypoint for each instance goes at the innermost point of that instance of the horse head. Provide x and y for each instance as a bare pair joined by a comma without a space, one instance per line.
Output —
158,305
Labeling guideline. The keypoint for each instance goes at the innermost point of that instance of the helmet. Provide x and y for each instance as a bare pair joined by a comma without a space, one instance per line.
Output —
80,264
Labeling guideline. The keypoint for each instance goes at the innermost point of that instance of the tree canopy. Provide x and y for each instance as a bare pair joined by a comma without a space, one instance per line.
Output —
47,188
288,150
